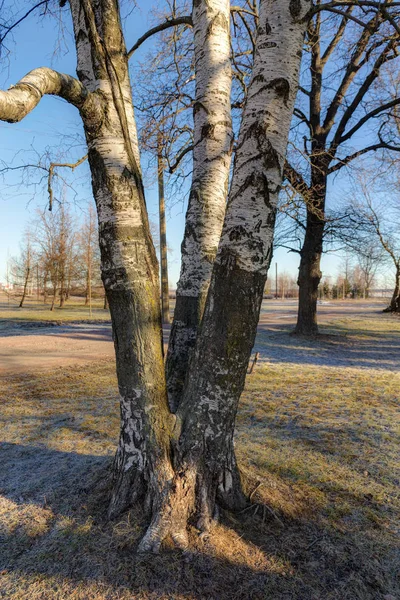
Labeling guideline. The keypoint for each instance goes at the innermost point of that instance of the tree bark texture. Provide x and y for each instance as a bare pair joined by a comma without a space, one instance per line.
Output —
311,252
163,238
205,419
128,261
178,463
212,150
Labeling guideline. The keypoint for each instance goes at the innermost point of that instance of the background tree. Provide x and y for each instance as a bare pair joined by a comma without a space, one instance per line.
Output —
88,248
373,226
344,66
21,268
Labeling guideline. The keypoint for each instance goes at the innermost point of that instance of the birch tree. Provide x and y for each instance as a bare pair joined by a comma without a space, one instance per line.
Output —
181,464
212,147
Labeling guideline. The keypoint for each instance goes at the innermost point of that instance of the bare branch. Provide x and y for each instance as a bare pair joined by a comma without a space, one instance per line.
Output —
185,20
11,27
179,158
54,165
345,161
377,111
22,98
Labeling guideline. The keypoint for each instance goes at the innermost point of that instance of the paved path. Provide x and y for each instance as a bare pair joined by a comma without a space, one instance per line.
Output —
25,349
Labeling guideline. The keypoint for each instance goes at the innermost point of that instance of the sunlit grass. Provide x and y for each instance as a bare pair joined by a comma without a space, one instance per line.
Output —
318,447
32,310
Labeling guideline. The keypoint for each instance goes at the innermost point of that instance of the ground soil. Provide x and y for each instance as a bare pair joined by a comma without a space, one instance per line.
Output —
28,347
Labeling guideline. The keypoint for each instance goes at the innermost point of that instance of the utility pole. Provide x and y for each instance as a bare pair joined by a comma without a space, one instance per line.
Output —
276,280
37,282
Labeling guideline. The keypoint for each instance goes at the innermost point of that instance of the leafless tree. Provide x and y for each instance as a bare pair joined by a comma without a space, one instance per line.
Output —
179,463
346,58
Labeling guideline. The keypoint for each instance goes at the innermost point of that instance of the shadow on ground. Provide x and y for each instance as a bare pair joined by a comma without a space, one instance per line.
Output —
57,543
334,347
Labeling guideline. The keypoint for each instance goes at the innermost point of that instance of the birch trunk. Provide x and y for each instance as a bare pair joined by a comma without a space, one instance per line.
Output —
211,161
201,433
204,455
129,265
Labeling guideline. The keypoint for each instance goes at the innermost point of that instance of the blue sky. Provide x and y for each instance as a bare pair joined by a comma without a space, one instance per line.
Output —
35,44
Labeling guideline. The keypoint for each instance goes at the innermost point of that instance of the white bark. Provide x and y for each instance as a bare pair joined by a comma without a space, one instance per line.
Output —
212,149
212,144
261,148
22,97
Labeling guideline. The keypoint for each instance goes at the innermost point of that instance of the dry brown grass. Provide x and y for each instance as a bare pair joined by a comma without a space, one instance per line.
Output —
319,449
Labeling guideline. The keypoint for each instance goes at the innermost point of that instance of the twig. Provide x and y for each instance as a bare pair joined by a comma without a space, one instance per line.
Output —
255,359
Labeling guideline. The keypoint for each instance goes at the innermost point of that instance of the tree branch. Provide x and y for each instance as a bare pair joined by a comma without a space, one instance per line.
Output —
363,89
345,161
52,166
173,22
11,27
336,38
295,179
366,118
180,156
20,99
350,73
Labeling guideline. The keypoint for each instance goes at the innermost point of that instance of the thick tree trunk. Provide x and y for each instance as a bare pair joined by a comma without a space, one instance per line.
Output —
201,433
211,161
310,255
394,305
129,265
205,419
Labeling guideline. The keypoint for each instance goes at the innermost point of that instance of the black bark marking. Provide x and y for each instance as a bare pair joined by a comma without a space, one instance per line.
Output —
281,87
267,45
207,131
237,233
218,21
295,8
268,27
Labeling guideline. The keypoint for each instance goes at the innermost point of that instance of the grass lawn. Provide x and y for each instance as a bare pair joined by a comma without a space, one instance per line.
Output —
33,311
318,443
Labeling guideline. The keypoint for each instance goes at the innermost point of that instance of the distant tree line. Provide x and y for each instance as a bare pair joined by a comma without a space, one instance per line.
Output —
58,258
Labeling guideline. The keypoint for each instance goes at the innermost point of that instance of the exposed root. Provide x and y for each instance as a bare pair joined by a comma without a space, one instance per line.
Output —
128,486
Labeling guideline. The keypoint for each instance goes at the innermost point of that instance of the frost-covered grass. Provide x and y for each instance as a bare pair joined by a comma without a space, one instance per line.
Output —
318,441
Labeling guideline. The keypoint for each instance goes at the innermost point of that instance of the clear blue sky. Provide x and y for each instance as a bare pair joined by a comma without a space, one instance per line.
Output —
34,45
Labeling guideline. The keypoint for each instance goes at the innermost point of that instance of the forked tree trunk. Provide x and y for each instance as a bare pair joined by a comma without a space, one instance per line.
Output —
211,161
201,433
205,420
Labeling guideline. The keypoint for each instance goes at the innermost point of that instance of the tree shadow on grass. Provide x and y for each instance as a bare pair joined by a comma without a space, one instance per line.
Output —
370,350
57,543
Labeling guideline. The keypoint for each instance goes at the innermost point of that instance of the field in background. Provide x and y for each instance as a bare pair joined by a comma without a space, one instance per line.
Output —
33,311
318,442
